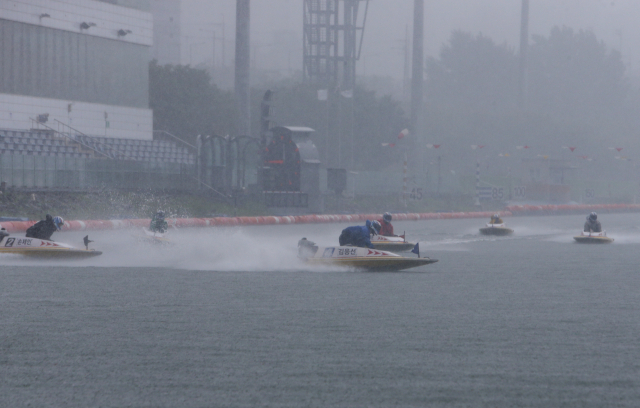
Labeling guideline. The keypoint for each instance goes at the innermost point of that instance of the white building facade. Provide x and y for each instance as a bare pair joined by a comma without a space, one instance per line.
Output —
166,32
84,63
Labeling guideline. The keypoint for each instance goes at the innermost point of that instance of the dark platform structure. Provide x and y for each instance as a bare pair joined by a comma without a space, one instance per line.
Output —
291,170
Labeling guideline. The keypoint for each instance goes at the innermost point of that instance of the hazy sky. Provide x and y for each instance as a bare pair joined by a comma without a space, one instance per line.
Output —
276,28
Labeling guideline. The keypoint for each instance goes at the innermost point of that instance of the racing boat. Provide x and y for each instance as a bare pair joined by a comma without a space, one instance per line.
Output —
358,258
43,248
153,237
593,238
496,229
393,244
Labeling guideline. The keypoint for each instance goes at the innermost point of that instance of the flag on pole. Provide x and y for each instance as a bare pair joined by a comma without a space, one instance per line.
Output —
523,147
474,147
388,144
433,146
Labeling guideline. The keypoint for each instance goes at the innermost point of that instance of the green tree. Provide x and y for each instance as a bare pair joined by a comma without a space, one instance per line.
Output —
186,103
572,73
473,73
577,92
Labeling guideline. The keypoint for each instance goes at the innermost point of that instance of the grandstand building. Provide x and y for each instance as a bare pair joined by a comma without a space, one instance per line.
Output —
74,97
81,62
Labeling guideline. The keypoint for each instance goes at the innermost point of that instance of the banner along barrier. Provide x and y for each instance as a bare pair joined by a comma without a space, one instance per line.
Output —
96,225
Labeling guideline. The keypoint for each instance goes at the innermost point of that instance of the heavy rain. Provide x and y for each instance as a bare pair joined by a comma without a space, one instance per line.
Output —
352,203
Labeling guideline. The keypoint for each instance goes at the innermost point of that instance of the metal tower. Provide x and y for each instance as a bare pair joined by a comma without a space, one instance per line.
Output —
332,41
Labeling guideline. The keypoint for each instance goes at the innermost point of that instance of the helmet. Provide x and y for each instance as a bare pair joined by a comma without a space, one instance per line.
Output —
58,222
496,216
160,214
386,217
593,216
375,226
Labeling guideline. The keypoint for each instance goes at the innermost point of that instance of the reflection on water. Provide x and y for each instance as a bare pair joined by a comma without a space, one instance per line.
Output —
229,317
273,248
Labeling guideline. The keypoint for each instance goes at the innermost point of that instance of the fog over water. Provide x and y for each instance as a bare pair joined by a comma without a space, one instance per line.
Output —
229,318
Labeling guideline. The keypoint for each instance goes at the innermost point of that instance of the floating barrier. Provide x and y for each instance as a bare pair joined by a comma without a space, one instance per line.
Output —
96,225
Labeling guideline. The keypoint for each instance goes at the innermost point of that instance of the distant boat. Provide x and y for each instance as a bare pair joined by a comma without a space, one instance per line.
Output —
496,229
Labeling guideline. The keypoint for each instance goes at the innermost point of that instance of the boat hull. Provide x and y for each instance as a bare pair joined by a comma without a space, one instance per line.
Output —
152,237
498,231
359,258
393,246
592,240
378,265
391,243
40,248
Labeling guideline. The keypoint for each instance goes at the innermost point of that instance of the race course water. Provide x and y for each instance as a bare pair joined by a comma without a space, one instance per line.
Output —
230,318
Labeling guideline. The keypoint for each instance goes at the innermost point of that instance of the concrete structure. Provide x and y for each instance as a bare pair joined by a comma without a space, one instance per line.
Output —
292,170
82,62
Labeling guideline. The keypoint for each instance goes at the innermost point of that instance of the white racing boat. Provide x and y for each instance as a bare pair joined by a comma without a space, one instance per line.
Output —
43,248
393,244
593,238
358,258
153,237
496,229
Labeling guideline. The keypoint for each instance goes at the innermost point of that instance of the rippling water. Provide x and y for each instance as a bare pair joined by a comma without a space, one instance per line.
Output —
230,318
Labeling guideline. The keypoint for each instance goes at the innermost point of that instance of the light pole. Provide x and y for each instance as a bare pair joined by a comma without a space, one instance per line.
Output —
437,146
191,52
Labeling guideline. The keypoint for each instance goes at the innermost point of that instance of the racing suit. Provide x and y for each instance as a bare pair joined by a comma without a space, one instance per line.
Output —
387,228
158,225
357,236
592,226
42,229
3,234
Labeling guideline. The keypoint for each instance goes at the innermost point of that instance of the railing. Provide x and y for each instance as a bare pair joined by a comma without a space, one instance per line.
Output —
75,173
177,138
97,142
66,137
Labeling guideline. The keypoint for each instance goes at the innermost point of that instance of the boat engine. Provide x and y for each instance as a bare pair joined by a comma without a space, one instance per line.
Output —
306,248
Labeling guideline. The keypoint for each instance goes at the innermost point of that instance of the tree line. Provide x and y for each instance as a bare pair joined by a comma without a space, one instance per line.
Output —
577,92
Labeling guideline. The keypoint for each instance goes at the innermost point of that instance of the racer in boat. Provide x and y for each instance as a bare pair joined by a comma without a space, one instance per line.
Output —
360,236
44,229
387,227
592,224
3,234
495,219
158,224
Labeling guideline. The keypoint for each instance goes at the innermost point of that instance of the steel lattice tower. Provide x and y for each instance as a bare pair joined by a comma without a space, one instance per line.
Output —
332,41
